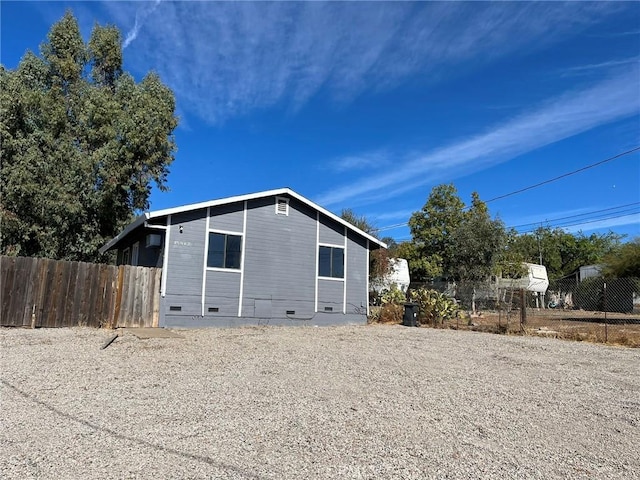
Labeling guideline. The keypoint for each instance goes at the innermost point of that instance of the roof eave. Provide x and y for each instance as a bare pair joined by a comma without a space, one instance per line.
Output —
128,229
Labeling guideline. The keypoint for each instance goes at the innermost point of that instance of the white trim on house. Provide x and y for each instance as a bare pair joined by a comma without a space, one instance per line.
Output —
317,257
224,232
333,279
223,269
204,261
344,269
165,258
242,255
367,282
240,198
332,245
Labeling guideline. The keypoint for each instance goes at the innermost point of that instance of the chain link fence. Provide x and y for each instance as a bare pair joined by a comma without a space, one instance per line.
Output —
594,309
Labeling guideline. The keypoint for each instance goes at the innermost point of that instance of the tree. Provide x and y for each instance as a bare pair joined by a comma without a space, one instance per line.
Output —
562,252
379,259
82,144
624,261
478,243
359,221
432,231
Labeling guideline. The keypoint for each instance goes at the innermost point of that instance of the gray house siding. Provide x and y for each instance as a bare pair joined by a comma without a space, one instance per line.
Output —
278,281
279,261
185,261
357,276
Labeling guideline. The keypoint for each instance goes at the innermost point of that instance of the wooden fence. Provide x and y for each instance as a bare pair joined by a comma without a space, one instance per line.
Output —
39,292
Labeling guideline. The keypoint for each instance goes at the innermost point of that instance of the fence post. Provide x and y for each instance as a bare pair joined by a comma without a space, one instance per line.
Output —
523,307
119,288
604,307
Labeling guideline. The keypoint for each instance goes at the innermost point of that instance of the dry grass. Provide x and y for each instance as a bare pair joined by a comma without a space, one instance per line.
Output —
577,326
619,329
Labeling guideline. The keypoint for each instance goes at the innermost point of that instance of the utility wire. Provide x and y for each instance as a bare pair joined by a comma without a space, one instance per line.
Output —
578,215
564,175
566,225
588,221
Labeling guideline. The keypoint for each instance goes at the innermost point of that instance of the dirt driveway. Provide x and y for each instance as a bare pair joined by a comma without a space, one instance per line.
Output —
371,402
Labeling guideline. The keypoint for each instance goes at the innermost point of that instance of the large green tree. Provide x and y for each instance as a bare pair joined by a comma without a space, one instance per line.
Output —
623,261
478,243
563,252
82,144
432,230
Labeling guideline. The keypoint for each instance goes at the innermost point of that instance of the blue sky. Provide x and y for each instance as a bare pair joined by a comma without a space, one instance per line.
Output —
369,105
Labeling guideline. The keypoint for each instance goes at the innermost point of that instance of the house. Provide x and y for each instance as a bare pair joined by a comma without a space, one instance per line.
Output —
271,257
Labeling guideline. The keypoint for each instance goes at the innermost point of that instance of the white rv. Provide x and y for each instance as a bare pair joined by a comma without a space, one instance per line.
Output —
535,280
398,275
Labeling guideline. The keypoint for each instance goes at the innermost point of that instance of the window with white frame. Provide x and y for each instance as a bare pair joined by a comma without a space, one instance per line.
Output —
331,262
225,250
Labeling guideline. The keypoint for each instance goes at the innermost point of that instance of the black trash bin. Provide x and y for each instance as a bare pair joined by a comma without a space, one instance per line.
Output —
410,318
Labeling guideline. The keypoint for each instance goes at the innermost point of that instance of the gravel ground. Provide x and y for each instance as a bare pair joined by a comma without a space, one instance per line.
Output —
341,402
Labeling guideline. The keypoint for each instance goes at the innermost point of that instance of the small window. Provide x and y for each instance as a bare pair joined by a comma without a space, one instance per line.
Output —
126,257
214,309
282,206
331,262
224,250
135,251
328,309
175,308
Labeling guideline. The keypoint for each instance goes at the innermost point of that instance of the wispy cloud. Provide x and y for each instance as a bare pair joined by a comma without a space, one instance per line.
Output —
141,15
367,160
226,59
582,69
560,118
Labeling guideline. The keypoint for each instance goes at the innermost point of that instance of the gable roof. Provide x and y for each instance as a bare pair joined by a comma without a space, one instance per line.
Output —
240,198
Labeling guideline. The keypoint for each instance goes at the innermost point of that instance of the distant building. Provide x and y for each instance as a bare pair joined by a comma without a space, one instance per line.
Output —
589,271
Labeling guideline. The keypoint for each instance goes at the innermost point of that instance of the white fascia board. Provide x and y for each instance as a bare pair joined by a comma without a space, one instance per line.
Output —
335,217
239,198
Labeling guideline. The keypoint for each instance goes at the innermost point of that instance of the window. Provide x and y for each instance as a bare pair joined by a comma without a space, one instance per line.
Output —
135,253
224,250
126,256
331,262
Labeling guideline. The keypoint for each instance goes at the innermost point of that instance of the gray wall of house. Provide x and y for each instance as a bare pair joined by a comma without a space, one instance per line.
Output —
278,282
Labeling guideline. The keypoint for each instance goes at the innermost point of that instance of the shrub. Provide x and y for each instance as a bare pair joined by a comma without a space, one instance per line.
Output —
392,295
434,306
391,313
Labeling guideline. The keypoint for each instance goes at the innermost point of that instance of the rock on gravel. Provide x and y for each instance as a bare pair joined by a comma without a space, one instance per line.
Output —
340,402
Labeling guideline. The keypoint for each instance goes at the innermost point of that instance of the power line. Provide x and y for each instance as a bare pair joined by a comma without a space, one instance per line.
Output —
589,221
545,182
564,175
578,215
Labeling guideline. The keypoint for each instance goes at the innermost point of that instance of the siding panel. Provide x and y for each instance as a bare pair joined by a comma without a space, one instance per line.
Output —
357,295
227,217
186,257
331,232
280,258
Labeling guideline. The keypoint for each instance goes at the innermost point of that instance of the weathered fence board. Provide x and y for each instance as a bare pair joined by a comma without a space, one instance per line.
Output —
65,294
